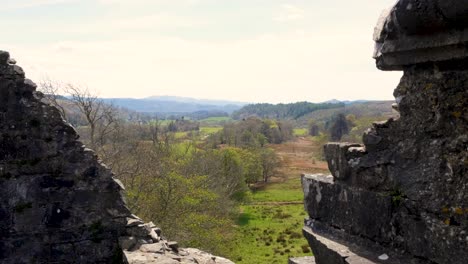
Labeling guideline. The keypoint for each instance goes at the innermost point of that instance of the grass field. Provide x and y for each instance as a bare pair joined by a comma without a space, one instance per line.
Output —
215,121
269,229
300,132
204,131
287,191
164,122
270,234
209,130
179,135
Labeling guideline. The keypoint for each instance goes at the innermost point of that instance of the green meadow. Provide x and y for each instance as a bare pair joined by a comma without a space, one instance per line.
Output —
269,229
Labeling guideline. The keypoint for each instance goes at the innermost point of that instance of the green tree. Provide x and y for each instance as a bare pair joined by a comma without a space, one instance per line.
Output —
339,127
270,163
262,139
247,139
313,128
252,166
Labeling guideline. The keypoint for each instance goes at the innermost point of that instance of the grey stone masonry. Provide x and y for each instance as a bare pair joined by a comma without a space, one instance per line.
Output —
402,196
414,32
58,203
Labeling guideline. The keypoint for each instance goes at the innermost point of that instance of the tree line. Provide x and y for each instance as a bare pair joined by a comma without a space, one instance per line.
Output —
282,111
341,127
254,132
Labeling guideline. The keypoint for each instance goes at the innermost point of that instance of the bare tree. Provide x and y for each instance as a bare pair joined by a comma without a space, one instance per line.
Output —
51,91
100,117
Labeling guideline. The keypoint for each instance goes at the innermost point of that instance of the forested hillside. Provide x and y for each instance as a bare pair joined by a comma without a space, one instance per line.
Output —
282,111
358,109
347,123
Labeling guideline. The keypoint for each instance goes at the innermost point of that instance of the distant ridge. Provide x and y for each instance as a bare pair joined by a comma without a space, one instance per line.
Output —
175,104
181,99
186,106
335,101
304,111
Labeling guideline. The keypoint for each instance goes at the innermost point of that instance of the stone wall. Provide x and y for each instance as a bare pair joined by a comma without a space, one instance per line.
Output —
58,202
402,197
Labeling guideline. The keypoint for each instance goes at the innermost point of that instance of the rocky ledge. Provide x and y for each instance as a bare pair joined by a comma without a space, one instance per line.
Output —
143,243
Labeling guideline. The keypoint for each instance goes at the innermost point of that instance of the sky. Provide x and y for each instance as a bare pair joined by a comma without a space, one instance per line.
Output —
242,50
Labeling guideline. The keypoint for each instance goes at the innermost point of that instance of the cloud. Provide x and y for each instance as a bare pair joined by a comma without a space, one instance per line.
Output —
157,20
122,54
273,67
31,3
118,26
290,13
63,47
148,2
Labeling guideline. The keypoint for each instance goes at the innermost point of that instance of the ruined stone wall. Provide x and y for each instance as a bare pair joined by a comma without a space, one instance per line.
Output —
402,197
58,202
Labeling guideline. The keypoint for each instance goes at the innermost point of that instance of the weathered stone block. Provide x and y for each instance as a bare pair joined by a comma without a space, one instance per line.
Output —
425,235
4,57
127,242
329,248
338,156
416,32
302,260
348,208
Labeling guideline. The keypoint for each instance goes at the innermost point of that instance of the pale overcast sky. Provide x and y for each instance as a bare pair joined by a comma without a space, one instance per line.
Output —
244,50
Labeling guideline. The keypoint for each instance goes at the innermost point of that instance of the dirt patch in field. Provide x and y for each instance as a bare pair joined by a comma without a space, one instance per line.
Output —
298,156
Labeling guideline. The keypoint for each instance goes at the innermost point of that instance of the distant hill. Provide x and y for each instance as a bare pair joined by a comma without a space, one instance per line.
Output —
180,99
174,104
335,101
173,107
282,111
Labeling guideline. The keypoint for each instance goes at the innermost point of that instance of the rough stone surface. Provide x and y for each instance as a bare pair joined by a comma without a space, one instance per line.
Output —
336,247
4,57
151,254
415,31
302,260
58,202
409,190
144,244
349,209
338,155
406,189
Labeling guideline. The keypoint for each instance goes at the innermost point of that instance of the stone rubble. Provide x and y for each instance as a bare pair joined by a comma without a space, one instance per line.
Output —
143,243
